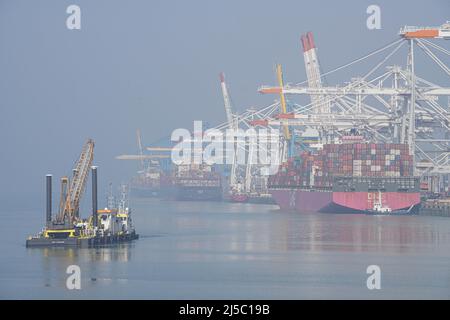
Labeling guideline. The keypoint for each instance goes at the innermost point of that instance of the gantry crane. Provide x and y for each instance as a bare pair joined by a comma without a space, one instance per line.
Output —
407,111
140,150
232,123
394,106
287,144
238,173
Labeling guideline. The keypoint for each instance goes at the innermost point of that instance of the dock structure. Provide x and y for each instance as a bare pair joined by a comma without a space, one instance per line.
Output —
438,208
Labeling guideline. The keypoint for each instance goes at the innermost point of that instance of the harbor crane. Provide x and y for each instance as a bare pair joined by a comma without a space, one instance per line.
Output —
313,73
391,106
248,172
141,157
233,124
72,189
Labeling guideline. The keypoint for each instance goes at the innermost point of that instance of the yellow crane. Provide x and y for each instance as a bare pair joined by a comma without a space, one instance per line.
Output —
287,134
72,189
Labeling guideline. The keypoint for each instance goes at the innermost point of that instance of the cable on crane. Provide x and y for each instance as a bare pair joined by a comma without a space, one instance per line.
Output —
392,43
433,57
437,47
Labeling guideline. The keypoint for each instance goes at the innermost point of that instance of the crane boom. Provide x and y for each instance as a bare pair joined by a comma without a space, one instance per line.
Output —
441,32
312,67
140,149
72,192
231,123
226,101
282,100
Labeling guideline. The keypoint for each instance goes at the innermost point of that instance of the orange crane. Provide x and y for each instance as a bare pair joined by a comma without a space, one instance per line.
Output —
71,191
287,134
441,32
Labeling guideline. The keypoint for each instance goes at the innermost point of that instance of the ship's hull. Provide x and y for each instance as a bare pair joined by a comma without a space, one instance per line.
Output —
261,200
309,201
185,193
252,198
81,242
151,192
239,197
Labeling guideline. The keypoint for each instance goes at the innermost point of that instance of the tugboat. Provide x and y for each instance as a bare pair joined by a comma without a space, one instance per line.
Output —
379,209
115,221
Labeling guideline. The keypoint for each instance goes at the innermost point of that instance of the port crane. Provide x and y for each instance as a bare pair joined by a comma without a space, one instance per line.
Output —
235,186
249,175
394,105
140,149
403,108
141,157
313,73
72,189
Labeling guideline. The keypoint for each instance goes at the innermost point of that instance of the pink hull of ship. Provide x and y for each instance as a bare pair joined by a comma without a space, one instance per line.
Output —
317,201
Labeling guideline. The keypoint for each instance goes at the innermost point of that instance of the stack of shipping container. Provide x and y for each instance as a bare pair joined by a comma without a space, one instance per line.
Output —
353,158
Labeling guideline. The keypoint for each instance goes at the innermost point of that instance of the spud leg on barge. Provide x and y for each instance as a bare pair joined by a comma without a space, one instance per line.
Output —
112,225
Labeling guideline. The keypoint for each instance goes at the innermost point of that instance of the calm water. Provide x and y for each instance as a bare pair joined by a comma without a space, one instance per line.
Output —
204,250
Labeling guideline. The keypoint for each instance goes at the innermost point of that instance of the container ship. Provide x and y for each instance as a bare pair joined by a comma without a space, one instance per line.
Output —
352,176
197,182
152,183
251,197
256,192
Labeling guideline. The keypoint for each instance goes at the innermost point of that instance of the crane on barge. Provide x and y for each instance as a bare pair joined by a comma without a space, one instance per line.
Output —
68,229
72,191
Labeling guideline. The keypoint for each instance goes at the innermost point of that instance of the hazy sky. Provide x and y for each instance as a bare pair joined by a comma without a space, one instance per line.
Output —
154,65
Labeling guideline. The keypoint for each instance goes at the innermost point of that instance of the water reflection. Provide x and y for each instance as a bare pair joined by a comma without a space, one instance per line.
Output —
55,261
119,252
259,229
220,250
360,233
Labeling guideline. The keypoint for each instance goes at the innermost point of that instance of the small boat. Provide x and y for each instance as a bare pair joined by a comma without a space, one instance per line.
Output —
380,210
